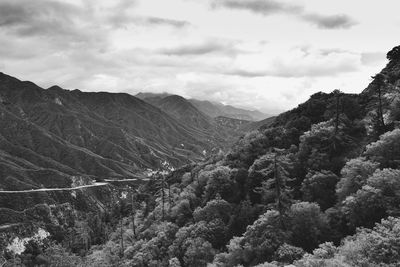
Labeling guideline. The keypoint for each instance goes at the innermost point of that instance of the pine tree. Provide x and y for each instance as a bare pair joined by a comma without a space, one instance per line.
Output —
133,203
380,123
338,94
162,186
275,185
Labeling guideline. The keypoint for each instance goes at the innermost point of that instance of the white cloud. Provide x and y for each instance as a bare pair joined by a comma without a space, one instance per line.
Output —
261,55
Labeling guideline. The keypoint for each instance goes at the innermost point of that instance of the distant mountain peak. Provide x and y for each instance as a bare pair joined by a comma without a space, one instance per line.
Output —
55,88
144,95
210,108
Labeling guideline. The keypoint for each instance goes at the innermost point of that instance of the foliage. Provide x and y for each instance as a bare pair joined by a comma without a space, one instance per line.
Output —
378,198
354,176
379,246
394,54
214,209
259,243
321,148
287,253
386,150
58,256
270,174
219,182
271,201
198,252
319,187
308,225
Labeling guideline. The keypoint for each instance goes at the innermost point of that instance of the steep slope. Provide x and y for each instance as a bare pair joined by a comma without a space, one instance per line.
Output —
303,182
184,111
78,133
224,130
232,124
265,123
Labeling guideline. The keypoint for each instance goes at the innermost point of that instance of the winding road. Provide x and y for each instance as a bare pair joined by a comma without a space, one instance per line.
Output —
107,182
97,184
53,189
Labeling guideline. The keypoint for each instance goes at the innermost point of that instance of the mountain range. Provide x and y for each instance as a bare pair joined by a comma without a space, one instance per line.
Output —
49,135
212,109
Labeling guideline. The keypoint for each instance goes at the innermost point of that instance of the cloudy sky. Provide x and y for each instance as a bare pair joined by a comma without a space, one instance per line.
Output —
264,54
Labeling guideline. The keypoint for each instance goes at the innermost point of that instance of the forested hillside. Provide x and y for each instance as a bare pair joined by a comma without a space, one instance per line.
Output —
320,186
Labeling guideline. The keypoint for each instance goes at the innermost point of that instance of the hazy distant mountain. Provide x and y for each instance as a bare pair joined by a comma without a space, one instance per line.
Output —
152,96
223,129
217,109
211,109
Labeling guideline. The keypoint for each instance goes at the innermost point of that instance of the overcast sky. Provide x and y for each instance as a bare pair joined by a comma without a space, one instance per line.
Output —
264,54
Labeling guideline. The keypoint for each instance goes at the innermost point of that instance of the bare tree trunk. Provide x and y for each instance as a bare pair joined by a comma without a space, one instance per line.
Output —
380,109
133,216
169,198
122,239
337,113
163,198
278,184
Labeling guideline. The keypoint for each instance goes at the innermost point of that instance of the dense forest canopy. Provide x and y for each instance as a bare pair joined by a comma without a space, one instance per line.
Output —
320,187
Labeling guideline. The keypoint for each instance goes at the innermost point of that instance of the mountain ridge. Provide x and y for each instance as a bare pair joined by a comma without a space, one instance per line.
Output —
210,108
119,133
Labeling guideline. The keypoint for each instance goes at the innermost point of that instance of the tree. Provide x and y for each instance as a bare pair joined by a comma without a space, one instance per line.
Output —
302,124
214,209
82,238
153,248
163,191
269,178
198,252
365,207
386,150
379,81
182,212
350,107
325,255
338,95
394,54
183,246
354,176
134,207
58,256
256,143
276,177
395,111
322,149
377,199
258,244
377,247
244,215
219,182
320,187
287,253
174,262
307,225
